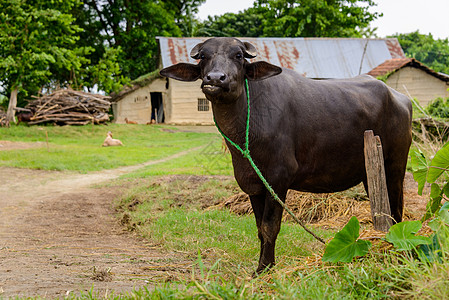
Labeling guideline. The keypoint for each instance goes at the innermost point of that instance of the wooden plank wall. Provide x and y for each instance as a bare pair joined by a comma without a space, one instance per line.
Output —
184,104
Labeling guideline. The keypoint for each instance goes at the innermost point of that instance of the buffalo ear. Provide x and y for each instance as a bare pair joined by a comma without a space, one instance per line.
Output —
182,71
195,53
250,51
260,70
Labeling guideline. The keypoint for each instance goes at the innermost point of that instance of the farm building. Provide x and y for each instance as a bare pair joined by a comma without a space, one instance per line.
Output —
410,77
178,102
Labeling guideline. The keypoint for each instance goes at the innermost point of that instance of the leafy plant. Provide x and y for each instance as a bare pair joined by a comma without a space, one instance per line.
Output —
439,108
433,173
346,245
402,236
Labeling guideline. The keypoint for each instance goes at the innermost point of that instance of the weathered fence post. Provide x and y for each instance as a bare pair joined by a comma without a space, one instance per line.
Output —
377,185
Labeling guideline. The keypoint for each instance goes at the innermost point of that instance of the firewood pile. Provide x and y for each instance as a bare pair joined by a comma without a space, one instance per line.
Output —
69,107
3,122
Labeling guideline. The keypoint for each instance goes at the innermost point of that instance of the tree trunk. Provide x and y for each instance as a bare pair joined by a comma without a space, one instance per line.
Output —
12,104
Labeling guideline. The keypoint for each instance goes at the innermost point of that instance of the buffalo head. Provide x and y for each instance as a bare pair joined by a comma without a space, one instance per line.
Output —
222,67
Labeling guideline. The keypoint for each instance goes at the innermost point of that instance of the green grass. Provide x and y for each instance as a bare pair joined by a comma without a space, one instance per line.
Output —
209,160
79,148
171,212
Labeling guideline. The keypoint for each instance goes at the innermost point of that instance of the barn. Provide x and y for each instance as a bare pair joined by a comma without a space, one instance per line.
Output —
176,102
411,77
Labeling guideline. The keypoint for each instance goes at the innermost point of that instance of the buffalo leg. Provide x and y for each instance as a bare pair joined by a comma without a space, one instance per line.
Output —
269,230
258,205
395,173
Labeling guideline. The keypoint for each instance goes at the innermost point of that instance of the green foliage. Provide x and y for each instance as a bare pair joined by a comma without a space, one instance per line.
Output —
434,53
313,18
430,252
434,252
346,245
419,166
402,236
36,38
247,23
300,18
131,26
435,174
439,108
106,74
40,47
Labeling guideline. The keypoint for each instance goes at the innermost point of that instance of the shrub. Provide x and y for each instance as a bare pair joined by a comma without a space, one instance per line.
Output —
438,108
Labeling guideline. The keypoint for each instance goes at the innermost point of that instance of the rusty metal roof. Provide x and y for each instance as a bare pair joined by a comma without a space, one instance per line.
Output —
312,57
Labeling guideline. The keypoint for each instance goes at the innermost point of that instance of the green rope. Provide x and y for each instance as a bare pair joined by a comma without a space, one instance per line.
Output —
246,154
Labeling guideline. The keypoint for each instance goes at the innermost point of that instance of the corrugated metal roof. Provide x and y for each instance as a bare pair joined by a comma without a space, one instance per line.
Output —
312,57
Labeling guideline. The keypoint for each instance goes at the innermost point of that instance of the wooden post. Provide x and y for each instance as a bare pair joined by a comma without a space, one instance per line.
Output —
377,184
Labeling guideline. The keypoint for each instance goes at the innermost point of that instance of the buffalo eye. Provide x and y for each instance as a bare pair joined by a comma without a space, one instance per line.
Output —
202,56
239,56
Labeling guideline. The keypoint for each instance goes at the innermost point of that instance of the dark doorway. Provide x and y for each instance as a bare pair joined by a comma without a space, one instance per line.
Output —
157,108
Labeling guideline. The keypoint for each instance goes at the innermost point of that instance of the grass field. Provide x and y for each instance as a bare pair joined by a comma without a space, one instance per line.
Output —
175,204
79,148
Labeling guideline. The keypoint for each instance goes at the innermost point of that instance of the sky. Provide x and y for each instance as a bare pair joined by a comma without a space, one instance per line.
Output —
400,16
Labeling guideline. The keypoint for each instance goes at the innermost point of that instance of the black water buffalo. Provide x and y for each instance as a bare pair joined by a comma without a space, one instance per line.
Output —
306,135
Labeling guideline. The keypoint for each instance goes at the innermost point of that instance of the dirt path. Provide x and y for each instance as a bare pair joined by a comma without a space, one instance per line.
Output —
58,235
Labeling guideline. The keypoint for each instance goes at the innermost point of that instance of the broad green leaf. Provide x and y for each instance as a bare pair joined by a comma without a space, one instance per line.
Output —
441,222
419,166
439,164
434,203
345,245
446,204
402,235
430,252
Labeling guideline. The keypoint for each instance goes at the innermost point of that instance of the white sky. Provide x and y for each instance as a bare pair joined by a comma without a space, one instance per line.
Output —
400,16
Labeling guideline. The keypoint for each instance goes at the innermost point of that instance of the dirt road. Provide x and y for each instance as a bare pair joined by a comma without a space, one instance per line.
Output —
58,235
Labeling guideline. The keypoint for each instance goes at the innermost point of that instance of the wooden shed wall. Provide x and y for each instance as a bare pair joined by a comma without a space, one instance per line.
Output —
184,103
136,106
419,84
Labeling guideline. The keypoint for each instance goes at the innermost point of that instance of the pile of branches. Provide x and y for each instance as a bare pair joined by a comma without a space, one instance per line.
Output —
69,107
3,122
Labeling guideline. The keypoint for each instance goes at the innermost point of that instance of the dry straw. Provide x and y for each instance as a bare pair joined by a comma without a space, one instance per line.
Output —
324,210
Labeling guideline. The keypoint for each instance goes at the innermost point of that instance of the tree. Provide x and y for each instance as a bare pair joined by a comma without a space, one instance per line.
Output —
184,14
434,53
132,25
299,18
313,18
35,38
243,24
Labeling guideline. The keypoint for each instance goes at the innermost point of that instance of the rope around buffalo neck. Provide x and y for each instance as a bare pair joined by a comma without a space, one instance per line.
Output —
246,154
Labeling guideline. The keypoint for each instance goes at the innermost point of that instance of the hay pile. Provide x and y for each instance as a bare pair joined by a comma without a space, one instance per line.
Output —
69,107
326,210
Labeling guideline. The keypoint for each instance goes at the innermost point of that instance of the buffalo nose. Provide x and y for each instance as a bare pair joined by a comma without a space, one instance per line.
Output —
216,77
